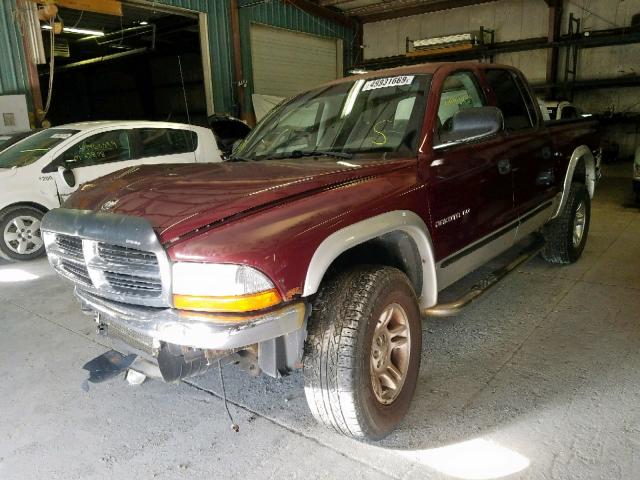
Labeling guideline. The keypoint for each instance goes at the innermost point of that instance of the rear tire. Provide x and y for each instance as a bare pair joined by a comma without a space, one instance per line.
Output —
566,235
365,329
20,236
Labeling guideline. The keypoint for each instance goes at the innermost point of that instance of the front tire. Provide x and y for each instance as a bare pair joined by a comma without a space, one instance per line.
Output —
20,236
566,235
362,353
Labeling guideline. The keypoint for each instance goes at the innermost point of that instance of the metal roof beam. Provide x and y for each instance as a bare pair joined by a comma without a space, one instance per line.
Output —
386,11
319,11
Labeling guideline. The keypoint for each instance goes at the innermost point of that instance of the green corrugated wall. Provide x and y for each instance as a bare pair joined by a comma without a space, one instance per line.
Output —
13,69
13,77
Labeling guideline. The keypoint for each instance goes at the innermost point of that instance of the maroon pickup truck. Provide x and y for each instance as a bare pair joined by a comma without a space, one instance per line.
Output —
329,233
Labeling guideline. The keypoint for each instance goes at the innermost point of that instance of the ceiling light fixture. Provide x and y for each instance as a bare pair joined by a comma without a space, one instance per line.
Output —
80,31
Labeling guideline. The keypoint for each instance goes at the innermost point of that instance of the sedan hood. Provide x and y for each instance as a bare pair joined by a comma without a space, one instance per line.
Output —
178,199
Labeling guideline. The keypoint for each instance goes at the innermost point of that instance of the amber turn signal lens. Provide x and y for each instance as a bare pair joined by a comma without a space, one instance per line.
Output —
233,304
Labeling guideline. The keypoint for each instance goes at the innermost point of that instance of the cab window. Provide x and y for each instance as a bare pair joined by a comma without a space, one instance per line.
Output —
105,147
459,91
509,99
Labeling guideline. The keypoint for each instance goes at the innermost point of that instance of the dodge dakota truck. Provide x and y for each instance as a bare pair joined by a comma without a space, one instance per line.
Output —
329,234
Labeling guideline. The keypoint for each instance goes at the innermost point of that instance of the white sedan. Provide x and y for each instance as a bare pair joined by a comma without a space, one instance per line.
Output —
39,172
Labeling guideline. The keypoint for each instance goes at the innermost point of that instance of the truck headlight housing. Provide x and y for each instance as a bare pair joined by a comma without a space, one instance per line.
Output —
217,287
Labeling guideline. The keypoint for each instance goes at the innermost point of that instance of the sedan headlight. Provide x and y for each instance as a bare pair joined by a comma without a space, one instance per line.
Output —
211,287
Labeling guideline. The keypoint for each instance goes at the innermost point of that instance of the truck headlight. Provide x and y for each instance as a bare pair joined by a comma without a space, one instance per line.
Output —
217,287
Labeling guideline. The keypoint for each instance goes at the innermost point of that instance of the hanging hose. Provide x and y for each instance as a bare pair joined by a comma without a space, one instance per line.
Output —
51,67
234,425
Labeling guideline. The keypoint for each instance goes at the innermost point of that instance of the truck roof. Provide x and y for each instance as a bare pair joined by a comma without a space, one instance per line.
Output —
421,68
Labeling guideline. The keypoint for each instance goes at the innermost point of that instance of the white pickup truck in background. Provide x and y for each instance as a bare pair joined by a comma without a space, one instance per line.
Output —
40,171
559,110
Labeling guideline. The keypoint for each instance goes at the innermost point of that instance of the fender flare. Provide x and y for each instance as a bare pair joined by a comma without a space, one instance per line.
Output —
581,153
348,237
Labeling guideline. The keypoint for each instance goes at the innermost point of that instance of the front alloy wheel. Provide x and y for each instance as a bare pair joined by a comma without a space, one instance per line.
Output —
362,353
390,354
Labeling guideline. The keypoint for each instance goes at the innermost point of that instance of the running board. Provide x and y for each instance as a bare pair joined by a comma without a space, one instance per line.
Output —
454,307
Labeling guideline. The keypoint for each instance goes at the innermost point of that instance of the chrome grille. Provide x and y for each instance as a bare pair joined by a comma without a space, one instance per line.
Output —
127,256
125,274
134,284
76,271
112,256
71,246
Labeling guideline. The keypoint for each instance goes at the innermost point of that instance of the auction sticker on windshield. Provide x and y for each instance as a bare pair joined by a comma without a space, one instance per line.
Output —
388,82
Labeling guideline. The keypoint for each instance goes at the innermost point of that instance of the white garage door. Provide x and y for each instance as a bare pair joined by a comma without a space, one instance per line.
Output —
286,63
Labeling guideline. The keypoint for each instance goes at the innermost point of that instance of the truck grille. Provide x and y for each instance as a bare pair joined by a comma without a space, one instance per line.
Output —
122,273
126,255
72,246
77,272
134,284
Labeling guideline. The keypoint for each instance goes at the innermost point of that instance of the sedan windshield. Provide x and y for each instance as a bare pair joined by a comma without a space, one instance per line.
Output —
27,151
375,115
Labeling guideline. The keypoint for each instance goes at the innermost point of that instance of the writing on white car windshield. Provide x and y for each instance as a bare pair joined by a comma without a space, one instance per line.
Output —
366,115
32,148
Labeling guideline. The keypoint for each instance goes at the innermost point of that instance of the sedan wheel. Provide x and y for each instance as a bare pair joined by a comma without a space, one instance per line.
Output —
21,236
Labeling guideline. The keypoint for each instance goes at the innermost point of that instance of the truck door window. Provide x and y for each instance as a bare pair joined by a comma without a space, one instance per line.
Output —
459,91
105,147
509,99
155,142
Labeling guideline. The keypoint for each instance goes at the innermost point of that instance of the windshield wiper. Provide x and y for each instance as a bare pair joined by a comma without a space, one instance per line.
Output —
308,153
234,158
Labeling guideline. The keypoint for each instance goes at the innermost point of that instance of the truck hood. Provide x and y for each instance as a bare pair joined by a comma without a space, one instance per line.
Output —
179,199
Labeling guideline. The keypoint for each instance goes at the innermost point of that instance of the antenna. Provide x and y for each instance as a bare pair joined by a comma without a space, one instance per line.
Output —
186,106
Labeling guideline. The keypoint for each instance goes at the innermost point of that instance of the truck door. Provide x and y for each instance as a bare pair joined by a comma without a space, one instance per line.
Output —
470,192
530,153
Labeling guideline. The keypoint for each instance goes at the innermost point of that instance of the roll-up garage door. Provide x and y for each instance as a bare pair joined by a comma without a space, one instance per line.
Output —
286,62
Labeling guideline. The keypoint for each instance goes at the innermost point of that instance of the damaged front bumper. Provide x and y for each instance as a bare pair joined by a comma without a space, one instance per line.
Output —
279,334
197,330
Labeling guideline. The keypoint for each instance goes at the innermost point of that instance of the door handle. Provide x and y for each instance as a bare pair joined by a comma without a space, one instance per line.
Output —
504,166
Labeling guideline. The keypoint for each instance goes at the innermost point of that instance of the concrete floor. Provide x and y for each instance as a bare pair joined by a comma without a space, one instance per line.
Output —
540,379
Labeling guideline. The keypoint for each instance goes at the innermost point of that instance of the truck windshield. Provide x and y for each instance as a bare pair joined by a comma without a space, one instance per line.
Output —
34,147
373,115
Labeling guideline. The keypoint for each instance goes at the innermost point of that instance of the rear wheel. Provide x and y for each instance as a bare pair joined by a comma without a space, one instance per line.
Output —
566,235
362,354
20,236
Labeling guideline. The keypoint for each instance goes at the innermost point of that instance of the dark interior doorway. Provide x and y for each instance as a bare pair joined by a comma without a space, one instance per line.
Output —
126,68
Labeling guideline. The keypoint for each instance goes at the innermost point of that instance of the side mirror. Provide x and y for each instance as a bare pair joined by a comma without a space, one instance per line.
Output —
472,124
68,176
